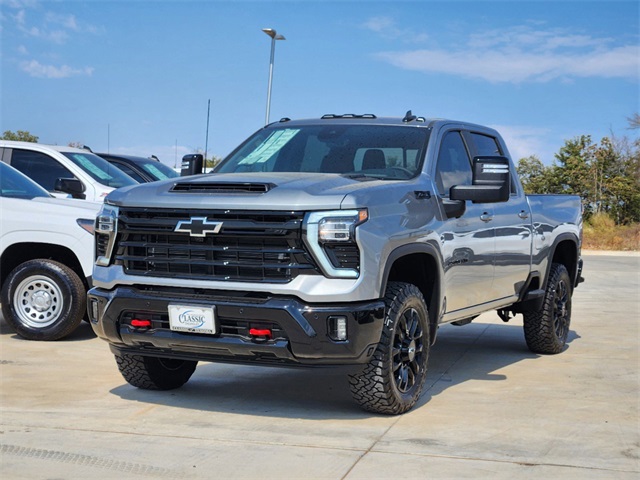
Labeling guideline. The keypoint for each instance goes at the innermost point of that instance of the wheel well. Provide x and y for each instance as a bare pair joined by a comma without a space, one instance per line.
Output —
22,252
421,270
566,253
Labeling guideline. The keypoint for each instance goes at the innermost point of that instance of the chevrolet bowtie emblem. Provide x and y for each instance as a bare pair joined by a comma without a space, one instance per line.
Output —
198,226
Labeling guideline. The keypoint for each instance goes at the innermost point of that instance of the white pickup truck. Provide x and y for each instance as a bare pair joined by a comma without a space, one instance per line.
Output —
65,171
46,253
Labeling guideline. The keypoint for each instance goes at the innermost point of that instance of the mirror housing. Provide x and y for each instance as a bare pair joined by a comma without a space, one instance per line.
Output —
192,164
491,181
72,186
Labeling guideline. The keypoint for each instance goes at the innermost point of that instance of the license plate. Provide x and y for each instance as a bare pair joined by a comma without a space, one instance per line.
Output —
192,318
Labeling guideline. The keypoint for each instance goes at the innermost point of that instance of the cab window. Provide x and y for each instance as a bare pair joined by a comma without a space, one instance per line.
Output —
485,145
454,165
39,167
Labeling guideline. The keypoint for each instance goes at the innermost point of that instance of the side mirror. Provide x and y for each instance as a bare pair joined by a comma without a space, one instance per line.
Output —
72,186
491,182
192,164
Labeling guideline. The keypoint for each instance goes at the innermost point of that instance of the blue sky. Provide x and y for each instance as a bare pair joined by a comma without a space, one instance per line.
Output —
135,76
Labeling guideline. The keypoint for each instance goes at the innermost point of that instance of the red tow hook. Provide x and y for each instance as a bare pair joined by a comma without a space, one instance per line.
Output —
261,334
137,323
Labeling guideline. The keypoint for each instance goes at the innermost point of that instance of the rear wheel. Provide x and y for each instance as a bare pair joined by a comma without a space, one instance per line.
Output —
546,330
154,373
392,381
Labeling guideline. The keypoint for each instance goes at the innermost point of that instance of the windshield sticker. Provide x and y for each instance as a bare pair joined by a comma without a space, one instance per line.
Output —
155,171
87,165
269,147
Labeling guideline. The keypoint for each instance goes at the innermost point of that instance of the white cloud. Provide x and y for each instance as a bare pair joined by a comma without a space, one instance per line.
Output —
387,27
522,54
67,21
36,69
51,27
524,141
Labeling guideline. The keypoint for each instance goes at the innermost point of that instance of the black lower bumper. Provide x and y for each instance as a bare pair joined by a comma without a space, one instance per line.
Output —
298,333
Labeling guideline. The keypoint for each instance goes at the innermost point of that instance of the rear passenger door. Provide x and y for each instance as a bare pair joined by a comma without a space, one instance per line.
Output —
467,242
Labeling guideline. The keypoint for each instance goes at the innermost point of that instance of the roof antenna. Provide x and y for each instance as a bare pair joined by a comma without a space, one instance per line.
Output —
409,117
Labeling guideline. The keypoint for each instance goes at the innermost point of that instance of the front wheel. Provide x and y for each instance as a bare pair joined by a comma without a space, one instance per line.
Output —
43,300
393,379
546,330
154,373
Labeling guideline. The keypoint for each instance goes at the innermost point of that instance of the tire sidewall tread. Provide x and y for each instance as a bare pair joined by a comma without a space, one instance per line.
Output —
149,373
73,292
374,388
539,329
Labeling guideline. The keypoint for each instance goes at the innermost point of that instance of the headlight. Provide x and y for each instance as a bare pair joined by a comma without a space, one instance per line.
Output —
332,238
106,227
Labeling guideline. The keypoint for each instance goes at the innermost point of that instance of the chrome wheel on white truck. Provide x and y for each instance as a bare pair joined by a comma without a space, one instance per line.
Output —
43,300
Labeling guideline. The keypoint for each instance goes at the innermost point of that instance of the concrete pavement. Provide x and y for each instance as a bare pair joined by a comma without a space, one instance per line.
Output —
491,409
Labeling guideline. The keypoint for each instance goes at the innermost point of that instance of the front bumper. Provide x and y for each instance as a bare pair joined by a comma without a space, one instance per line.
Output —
300,332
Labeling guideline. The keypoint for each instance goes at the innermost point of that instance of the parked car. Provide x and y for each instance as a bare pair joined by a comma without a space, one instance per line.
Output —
64,170
141,169
341,240
46,257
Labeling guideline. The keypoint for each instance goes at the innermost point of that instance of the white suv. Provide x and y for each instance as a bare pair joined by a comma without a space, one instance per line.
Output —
64,170
46,257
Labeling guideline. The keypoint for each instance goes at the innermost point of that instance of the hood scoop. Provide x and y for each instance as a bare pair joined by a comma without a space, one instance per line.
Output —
222,187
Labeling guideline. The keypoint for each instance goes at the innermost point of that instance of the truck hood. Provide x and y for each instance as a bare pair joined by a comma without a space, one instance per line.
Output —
69,206
254,191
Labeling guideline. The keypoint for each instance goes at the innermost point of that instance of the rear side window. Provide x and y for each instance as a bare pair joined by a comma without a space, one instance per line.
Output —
486,145
39,167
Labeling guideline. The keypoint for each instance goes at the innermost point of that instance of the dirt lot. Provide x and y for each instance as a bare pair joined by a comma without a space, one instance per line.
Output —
491,409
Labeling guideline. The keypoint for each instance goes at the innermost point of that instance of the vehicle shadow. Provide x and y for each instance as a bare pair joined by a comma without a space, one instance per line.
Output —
473,352
83,332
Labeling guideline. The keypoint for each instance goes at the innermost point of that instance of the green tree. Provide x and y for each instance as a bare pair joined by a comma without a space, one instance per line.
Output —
19,136
211,162
533,175
606,176
570,172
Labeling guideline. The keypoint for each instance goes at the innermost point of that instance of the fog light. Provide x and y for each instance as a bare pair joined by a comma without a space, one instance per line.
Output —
94,311
338,328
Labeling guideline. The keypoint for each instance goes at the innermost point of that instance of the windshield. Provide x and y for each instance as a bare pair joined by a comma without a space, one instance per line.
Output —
159,171
13,184
385,152
100,170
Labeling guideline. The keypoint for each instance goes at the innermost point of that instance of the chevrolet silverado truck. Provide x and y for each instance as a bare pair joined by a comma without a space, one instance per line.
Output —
343,240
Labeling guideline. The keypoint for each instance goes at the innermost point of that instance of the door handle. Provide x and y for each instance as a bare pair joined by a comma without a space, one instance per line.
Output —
523,215
486,217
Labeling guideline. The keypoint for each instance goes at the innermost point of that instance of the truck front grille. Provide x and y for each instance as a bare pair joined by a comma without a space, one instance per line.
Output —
247,246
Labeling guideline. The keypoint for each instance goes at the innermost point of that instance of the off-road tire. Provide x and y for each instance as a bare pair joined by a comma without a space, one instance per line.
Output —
43,300
546,330
154,373
392,381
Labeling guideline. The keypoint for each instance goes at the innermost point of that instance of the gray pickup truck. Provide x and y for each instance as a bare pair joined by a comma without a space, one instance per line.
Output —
343,240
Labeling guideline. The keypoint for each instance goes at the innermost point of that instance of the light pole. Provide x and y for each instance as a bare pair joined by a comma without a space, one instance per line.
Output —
274,36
